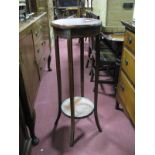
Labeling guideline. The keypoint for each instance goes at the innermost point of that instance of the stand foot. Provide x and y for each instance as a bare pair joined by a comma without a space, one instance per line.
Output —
35,141
72,137
57,119
97,122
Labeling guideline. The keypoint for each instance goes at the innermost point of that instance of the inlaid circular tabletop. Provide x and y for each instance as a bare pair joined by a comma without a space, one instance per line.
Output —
71,23
82,107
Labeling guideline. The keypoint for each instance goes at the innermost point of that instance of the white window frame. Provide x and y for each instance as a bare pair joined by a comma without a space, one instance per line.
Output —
88,4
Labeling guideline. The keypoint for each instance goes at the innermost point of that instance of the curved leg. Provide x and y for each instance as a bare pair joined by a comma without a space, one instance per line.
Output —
71,87
96,84
49,63
58,78
82,65
58,117
31,125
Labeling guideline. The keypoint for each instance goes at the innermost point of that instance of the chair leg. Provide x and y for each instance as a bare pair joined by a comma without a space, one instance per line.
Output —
91,66
87,64
48,63
117,106
96,84
92,76
89,54
90,72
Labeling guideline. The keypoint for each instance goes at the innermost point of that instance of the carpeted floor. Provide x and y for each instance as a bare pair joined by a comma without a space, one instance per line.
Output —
117,137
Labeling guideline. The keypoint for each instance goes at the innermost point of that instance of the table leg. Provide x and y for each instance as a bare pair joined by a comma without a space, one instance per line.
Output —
71,87
116,73
82,65
58,78
96,83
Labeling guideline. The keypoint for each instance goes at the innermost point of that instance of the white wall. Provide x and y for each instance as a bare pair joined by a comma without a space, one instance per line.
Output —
111,13
21,0
88,4
100,8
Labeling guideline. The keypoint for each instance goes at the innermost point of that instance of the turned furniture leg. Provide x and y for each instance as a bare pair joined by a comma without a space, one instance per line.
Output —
118,62
92,75
49,63
82,65
71,86
28,110
96,83
117,107
57,55
31,125
89,53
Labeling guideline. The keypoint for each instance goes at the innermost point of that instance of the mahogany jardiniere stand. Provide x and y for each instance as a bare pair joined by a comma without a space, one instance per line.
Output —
70,28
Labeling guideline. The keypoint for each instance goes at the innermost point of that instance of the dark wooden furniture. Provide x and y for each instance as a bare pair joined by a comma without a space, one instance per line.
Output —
34,53
68,8
110,54
91,39
65,12
92,15
107,64
75,28
114,42
26,121
38,5
126,84
42,6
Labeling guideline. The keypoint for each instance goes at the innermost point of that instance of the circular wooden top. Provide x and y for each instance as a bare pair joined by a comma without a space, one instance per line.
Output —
73,23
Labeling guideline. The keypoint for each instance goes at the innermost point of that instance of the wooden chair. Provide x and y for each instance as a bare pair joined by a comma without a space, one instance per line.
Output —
107,65
91,45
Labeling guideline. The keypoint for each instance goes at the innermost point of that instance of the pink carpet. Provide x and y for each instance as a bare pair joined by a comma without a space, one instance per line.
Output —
117,137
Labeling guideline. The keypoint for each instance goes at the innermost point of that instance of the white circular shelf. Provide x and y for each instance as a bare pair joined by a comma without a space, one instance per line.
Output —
82,107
